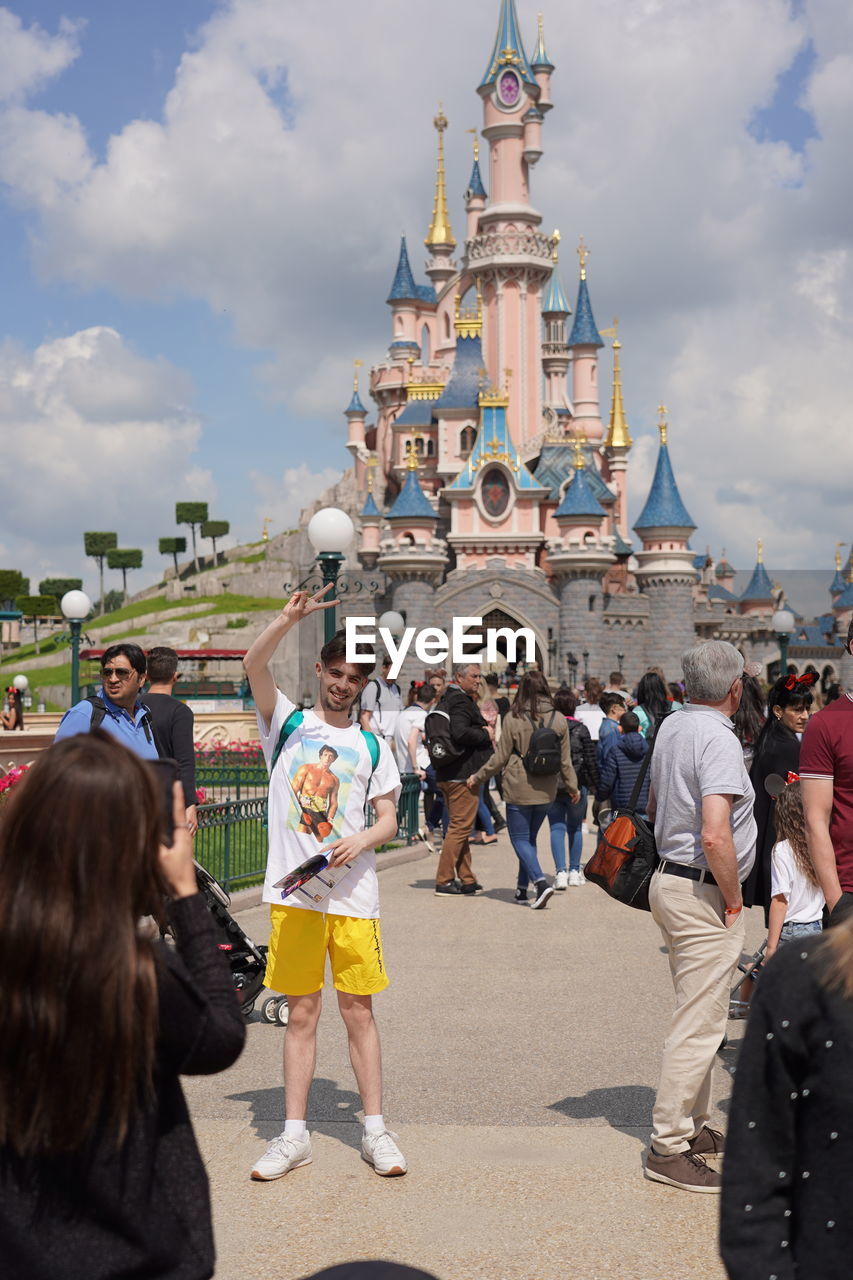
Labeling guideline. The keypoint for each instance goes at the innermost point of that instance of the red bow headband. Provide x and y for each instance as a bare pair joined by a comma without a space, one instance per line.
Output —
809,678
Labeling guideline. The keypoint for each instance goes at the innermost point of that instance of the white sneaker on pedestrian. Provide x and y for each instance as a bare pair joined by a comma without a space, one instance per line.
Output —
381,1151
561,880
283,1154
575,879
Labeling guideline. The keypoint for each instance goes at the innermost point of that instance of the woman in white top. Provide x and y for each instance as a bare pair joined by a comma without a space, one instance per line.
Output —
796,902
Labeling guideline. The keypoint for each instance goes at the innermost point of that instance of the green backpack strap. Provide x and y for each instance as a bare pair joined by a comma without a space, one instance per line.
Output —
373,748
293,721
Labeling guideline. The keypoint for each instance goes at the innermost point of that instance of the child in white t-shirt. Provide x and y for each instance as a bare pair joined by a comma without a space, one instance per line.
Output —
796,903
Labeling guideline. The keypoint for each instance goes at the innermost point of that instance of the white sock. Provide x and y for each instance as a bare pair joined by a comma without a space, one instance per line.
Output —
374,1124
295,1129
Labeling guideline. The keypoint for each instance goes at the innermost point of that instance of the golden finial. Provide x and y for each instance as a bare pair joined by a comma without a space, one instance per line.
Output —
265,533
663,426
760,551
371,464
556,238
440,231
356,365
583,253
580,460
618,435
412,454
476,143
838,546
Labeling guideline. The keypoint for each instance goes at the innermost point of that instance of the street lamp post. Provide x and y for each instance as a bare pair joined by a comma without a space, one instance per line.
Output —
330,532
585,656
620,659
783,623
76,607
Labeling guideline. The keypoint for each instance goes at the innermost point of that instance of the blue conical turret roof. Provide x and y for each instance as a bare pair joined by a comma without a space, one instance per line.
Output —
664,508
540,60
370,509
554,302
759,586
475,184
508,50
579,499
355,406
412,503
838,583
845,600
584,330
404,287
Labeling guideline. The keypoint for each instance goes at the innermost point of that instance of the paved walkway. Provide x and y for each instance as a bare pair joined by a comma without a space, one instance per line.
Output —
521,1054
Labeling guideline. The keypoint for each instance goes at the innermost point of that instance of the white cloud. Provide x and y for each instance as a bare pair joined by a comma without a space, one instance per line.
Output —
95,437
281,499
295,145
29,56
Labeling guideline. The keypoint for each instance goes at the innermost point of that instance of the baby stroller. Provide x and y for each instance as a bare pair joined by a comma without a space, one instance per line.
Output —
247,960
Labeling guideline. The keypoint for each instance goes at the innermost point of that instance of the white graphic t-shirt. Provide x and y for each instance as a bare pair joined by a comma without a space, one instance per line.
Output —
318,791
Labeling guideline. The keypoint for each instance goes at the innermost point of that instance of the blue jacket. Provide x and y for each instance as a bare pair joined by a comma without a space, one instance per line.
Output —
608,733
619,770
134,731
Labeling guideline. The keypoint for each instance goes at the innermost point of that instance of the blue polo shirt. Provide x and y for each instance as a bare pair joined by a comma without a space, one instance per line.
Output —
134,731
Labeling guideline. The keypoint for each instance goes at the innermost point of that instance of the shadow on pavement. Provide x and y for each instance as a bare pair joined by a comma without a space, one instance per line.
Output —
625,1107
327,1105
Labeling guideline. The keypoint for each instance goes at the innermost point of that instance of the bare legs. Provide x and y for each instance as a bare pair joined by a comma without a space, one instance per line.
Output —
300,1051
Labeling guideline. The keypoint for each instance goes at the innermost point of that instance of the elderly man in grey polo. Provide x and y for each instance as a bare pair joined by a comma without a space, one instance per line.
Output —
701,800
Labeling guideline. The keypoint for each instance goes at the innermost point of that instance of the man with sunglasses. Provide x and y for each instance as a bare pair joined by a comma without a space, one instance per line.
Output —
117,708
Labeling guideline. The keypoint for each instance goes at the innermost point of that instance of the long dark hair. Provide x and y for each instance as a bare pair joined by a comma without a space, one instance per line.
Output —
16,705
749,719
653,696
532,689
797,696
79,866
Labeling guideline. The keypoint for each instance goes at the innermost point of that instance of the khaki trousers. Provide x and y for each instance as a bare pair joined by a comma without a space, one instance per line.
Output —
703,954
455,860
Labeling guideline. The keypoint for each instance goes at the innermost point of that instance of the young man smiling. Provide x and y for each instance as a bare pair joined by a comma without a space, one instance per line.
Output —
323,753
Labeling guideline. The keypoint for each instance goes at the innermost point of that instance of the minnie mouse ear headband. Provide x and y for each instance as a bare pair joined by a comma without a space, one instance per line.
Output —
806,680
775,784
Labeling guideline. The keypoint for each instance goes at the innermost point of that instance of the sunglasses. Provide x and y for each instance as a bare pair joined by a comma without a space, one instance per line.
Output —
117,673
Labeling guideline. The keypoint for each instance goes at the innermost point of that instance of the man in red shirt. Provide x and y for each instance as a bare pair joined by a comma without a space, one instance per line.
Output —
826,773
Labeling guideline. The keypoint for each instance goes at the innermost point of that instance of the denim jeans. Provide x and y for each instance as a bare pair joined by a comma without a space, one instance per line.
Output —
799,929
435,808
566,822
484,817
523,823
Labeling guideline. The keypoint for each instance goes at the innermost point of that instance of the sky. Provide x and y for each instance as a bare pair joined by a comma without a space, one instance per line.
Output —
200,211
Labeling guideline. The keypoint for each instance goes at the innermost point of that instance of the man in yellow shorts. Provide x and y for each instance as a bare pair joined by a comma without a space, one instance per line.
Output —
323,771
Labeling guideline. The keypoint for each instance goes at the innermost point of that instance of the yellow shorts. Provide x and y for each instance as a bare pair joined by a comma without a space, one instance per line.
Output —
300,941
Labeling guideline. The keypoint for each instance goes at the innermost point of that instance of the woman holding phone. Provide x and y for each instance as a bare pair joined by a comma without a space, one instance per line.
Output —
99,1168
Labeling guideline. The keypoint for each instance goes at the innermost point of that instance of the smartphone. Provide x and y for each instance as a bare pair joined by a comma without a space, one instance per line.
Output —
166,775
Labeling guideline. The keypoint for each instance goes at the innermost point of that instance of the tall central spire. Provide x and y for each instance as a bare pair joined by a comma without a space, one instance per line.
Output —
618,435
440,231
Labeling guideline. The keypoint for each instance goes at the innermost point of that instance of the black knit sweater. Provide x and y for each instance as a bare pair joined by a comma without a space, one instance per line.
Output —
788,1167
143,1211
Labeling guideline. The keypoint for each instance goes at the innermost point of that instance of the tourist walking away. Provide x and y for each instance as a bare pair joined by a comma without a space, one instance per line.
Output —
826,770
100,1169
622,765
528,792
117,707
589,710
777,751
323,771
13,717
565,817
701,803
381,704
413,757
654,701
467,745
785,1208
796,903
174,722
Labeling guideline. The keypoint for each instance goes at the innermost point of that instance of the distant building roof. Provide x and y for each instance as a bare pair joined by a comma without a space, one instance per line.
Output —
403,288
838,584
370,509
475,184
554,301
620,546
845,600
355,406
759,587
664,508
463,387
411,502
716,592
557,460
584,330
417,413
579,499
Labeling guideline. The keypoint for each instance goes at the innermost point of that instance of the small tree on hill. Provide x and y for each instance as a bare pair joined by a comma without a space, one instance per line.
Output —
173,547
57,587
35,607
191,513
214,529
97,545
12,584
124,558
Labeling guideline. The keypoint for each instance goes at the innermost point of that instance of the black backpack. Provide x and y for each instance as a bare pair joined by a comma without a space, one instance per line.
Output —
576,745
99,711
441,748
543,757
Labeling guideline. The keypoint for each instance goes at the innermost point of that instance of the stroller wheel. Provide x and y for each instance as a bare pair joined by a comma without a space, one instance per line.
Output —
248,1008
282,1013
269,1009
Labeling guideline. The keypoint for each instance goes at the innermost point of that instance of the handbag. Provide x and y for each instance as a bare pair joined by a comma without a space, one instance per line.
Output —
626,857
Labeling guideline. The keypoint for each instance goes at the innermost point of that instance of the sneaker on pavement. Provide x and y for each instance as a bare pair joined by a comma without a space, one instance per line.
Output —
473,887
685,1170
521,897
381,1151
575,880
708,1142
282,1155
544,891
561,880
449,889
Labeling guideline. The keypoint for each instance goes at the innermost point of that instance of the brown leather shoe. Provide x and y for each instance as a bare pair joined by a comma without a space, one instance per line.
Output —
708,1142
684,1170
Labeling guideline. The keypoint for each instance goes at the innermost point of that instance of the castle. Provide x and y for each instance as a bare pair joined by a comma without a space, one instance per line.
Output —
489,484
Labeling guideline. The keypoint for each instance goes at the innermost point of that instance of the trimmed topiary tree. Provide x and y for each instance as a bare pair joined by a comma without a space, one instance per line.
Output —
173,547
97,545
191,513
12,584
57,587
124,558
35,607
214,529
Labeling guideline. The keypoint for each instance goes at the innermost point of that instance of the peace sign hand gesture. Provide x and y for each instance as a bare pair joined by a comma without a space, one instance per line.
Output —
301,604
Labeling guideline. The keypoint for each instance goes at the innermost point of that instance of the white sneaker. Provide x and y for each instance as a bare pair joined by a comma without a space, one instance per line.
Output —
381,1151
282,1155
561,880
575,879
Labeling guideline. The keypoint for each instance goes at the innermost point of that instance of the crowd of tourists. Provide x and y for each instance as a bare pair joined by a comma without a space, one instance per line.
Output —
750,792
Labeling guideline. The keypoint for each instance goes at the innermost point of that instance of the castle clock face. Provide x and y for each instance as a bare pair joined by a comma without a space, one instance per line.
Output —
509,88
